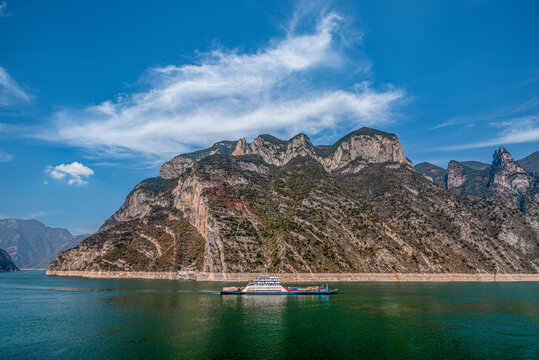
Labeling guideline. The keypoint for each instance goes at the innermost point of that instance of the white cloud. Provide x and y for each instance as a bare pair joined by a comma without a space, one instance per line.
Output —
513,131
5,157
229,94
3,6
35,215
502,112
10,92
74,173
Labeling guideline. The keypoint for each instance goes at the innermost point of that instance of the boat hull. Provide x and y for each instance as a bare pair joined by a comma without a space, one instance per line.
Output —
324,292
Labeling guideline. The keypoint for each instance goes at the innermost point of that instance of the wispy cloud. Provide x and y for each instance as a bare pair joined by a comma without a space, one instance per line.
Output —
228,94
74,173
3,9
500,113
10,92
5,157
35,215
513,131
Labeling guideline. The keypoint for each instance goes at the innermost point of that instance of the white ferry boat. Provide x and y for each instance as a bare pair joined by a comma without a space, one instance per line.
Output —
272,286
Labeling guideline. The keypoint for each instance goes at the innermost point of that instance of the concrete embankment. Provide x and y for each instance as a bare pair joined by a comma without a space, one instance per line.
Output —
304,277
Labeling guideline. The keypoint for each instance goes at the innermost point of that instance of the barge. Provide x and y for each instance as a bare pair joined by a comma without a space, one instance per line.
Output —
272,286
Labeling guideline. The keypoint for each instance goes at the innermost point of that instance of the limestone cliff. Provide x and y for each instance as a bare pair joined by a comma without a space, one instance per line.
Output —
504,180
368,145
507,176
288,206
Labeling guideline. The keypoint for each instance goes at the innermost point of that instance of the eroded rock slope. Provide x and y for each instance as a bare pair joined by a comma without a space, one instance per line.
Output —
288,206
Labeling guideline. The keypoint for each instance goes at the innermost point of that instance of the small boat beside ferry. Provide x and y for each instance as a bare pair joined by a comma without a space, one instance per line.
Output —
272,286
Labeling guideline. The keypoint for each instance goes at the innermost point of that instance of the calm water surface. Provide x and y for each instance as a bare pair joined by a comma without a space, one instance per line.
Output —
72,318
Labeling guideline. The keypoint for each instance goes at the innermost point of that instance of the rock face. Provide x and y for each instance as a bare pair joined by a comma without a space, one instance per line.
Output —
33,245
181,163
507,176
504,180
288,206
368,145
6,264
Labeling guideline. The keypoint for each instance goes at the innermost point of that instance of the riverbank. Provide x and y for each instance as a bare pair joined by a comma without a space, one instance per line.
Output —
304,277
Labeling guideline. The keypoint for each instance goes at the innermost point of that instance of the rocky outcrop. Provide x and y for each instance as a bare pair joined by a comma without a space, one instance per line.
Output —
507,176
142,200
456,175
357,206
6,264
504,180
178,165
368,145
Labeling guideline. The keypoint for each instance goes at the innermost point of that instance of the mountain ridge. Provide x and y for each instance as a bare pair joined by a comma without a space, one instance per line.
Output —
33,245
286,206
504,179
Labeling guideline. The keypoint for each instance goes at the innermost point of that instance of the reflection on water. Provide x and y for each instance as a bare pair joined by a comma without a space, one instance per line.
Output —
66,318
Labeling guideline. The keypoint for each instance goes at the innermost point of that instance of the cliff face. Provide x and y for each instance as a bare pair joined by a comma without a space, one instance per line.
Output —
6,264
504,180
287,206
368,145
507,176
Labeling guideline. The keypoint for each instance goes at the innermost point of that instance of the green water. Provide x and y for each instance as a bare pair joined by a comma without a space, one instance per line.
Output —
72,318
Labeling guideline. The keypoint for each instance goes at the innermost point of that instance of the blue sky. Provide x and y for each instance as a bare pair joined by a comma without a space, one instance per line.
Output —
94,96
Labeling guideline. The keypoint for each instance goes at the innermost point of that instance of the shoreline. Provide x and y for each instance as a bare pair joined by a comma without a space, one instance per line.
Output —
303,277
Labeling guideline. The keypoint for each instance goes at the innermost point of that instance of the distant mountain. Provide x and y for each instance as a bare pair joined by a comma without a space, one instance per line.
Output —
437,174
287,206
505,179
75,240
6,264
531,162
31,244
476,165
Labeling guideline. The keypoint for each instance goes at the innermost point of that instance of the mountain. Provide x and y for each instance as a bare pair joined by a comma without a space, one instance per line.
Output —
435,173
287,206
531,162
505,179
31,244
476,165
6,264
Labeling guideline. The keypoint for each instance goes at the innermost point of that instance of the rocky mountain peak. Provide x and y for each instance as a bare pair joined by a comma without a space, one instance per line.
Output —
366,144
456,175
505,179
241,147
507,176
501,157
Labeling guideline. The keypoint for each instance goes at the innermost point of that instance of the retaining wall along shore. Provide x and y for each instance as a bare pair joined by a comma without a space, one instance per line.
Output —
302,277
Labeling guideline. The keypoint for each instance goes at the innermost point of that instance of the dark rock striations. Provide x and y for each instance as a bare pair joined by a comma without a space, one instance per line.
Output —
288,206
